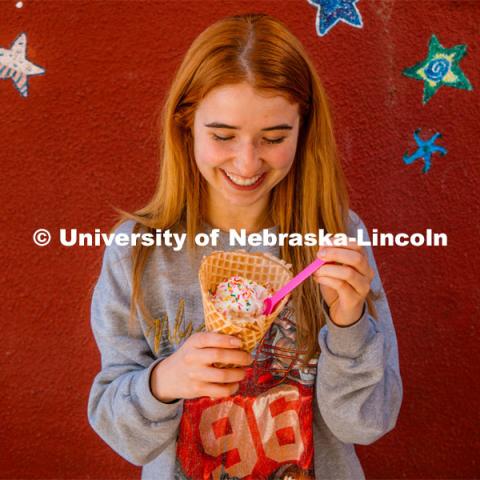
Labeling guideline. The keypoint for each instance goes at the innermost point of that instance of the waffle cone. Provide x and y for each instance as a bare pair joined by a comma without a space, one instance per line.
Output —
259,267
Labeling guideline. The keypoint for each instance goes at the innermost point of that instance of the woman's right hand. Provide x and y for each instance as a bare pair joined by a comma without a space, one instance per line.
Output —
188,372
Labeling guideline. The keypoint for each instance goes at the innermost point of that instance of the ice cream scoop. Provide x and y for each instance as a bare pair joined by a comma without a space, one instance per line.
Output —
239,295
270,302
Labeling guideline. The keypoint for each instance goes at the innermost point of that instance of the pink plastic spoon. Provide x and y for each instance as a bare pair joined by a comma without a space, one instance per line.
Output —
270,302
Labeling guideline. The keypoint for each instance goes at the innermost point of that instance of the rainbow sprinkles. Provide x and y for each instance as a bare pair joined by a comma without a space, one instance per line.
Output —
238,296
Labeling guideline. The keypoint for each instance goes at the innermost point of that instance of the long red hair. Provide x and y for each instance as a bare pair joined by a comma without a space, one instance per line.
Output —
258,49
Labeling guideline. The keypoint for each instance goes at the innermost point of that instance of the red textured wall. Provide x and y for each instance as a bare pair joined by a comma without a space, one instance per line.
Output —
83,140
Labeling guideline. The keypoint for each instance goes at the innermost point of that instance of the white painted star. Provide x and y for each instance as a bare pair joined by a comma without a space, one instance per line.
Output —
14,65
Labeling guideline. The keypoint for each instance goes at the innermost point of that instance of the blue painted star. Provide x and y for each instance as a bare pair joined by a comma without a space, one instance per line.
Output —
425,150
14,65
330,12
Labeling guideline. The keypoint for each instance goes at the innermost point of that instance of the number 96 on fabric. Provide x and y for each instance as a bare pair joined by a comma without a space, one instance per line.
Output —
245,437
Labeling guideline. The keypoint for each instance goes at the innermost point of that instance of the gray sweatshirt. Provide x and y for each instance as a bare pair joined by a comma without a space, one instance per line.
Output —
283,422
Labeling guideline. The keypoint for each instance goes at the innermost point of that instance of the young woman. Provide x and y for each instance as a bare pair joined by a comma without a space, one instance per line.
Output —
247,142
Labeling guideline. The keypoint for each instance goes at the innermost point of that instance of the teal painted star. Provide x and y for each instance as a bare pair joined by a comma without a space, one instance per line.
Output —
426,148
440,68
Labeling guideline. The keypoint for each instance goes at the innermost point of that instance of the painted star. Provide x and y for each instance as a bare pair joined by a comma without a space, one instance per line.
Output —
330,12
14,65
440,68
425,150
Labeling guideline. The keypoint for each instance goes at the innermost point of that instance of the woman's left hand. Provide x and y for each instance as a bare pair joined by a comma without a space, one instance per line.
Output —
345,285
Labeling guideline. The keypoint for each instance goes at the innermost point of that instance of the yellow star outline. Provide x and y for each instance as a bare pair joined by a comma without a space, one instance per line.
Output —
449,78
180,330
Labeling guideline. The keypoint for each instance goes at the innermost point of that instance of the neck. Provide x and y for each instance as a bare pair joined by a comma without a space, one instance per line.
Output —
238,218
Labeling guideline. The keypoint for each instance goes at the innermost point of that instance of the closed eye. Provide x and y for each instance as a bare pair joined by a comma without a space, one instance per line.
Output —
268,140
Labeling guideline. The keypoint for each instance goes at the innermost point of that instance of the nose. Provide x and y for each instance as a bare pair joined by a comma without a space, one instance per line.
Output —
247,161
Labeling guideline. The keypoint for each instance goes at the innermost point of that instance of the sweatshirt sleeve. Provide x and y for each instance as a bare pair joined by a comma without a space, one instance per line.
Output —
121,407
358,387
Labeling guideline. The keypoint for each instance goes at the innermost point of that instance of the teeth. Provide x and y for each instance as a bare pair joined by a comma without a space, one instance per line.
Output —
242,181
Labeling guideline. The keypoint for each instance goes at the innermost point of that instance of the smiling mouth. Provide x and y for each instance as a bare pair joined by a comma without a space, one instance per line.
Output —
244,183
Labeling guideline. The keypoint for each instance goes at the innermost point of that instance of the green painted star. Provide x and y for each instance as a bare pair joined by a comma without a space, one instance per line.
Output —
440,68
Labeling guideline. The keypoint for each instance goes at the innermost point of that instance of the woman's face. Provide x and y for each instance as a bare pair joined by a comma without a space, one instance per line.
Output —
244,144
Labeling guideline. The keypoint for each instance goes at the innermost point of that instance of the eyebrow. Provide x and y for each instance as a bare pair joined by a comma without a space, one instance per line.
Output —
282,126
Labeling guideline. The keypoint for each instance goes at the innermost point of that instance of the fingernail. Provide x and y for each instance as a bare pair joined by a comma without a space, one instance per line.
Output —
322,252
236,341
